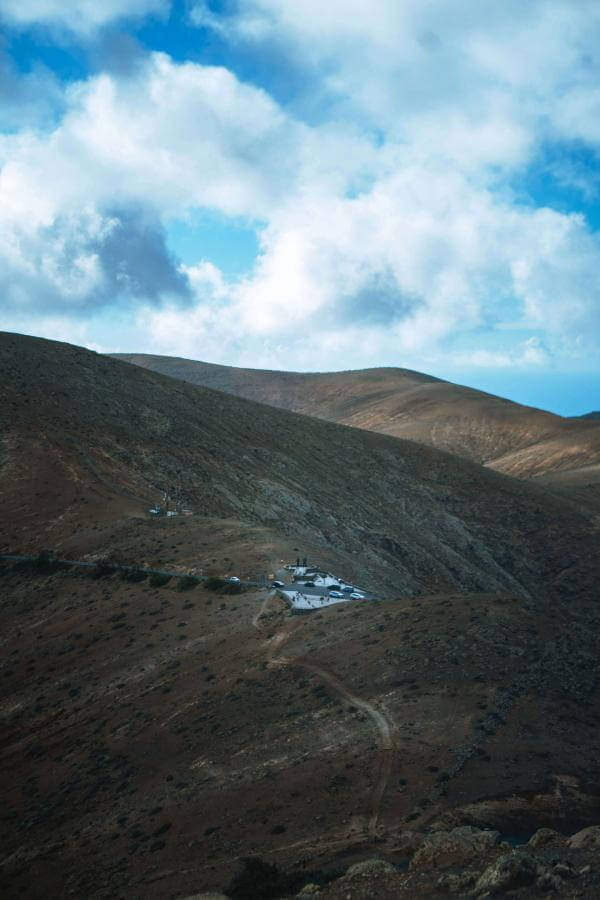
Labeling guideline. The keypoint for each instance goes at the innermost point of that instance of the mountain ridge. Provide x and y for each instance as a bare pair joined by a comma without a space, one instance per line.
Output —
520,440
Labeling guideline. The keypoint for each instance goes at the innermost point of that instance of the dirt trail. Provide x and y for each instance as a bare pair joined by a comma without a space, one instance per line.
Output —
383,724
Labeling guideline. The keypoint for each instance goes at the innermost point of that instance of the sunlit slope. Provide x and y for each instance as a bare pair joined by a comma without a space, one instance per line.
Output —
521,440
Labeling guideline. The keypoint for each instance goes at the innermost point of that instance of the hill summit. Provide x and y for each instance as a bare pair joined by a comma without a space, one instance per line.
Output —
519,440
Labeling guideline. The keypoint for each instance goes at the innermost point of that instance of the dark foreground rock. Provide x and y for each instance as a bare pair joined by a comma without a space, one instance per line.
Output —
466,863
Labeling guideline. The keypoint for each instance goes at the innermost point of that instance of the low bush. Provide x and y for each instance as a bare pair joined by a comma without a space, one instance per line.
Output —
44,563
103,569
157,579
133,575
186,582
214,583
234,587
224,586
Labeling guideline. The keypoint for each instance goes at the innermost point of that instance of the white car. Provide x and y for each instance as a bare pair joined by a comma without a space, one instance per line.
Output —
336,594
234,579
356,596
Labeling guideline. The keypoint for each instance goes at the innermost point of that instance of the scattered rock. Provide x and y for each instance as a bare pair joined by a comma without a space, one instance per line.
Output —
446,848
406,842
452,884
588,838
309,890
511,871
549,882
208,896
370,867
564,870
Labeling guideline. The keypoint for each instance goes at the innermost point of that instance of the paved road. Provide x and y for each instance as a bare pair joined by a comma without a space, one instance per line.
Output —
122,567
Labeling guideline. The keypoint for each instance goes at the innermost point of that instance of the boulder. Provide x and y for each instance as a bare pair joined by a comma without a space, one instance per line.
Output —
548,881
447,848
454,884
588,838
370,867
309,890
511,871
545,836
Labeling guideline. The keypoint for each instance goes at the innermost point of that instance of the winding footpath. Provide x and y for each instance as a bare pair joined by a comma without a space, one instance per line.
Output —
384,726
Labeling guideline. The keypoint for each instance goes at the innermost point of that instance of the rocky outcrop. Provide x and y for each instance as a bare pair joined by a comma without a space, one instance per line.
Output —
587,839
461,845
513,870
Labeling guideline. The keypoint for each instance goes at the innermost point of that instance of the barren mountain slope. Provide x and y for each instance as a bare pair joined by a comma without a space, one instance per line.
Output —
87,438
512,438
152,737
155,733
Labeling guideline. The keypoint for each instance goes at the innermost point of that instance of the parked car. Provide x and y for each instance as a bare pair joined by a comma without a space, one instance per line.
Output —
356,596
336,594
277,584
309,584
234,579
335,587
347,588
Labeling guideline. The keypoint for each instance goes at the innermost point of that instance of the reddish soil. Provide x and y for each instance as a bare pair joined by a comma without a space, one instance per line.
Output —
153,736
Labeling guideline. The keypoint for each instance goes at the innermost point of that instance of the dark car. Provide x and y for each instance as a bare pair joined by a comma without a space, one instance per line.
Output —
277,584
309,584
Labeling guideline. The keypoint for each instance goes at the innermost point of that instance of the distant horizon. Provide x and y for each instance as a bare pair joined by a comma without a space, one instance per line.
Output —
548,392
523,386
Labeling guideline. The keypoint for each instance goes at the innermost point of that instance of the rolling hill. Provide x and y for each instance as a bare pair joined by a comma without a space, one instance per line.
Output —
156,731
503,435
88,438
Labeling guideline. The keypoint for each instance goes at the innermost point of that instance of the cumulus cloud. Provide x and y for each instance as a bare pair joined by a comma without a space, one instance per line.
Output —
80,16
81,206
31,99
388,220
85,259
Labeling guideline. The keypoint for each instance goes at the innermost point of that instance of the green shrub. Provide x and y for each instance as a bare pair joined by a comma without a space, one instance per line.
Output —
233,587
186,582
103,569
224,586
214,583
47,561
157,579
133,575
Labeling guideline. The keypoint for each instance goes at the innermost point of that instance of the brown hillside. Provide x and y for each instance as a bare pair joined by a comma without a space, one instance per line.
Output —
154,734
152,737
520,440
89,439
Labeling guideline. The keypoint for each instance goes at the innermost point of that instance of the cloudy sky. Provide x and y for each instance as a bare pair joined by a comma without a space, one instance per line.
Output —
309,185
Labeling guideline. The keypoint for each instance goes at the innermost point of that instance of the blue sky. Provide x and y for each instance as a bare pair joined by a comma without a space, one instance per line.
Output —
307,186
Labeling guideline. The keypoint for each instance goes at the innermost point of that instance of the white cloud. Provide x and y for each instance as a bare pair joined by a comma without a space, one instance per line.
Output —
530,353
130,150
389,224
80,16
